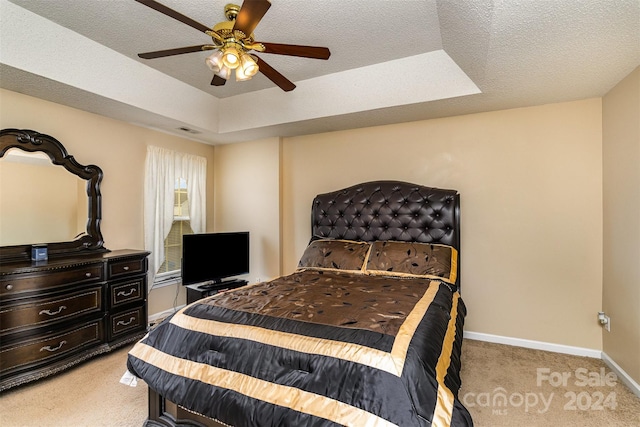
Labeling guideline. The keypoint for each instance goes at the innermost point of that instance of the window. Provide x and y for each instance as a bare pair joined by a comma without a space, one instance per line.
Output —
174,204
181,225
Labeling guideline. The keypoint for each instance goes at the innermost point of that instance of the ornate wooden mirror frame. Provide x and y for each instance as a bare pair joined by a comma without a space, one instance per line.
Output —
91,242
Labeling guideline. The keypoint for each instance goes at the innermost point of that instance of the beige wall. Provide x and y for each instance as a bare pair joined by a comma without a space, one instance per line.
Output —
531,194
621,166
119,149
247,198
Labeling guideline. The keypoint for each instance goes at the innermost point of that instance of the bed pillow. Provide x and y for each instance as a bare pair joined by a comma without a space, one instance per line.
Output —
413,259
335,254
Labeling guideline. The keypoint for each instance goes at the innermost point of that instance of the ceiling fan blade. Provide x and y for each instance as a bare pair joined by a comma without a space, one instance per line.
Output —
280,80
173,14
250,15
297,50
171,52
218,81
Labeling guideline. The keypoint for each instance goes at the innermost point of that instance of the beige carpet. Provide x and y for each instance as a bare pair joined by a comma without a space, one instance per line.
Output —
87,395
536,395
489,370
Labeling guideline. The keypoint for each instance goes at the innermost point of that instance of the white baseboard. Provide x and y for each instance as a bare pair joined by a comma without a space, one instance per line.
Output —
161,315
629,382
536,345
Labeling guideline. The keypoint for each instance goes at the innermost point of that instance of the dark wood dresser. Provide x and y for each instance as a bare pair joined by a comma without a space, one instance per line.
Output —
57,313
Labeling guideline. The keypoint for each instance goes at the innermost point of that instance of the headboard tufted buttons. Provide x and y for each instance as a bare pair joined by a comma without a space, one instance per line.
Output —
388,210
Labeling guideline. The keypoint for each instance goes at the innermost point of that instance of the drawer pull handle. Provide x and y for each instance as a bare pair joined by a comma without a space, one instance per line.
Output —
9,287
53,313
126,294
87,274
125,268
123,323
52,349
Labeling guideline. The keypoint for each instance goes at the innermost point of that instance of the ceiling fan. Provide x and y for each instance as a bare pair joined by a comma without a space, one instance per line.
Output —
233,40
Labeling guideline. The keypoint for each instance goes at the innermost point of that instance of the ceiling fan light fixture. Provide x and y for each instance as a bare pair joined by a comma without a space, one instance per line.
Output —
248,65
232,42
231,55
214,61
241,76
224,72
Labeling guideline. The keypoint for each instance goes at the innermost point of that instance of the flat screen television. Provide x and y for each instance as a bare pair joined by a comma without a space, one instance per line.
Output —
209,258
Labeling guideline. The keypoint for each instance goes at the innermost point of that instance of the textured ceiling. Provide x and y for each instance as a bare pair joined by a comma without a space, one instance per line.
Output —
391,61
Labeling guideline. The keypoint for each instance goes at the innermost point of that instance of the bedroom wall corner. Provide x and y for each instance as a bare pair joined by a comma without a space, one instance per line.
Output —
247,198
621,223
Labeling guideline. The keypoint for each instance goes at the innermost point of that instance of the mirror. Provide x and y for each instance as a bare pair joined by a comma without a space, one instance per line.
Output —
39,201
46,197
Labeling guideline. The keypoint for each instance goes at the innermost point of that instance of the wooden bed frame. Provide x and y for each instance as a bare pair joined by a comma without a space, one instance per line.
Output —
371,211
164,413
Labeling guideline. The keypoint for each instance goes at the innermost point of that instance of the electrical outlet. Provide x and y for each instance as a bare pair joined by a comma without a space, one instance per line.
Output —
604,320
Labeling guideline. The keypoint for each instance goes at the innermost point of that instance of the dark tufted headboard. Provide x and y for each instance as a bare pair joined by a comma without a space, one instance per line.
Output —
389,210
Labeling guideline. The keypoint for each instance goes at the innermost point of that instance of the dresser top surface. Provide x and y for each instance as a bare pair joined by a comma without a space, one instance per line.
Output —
16,267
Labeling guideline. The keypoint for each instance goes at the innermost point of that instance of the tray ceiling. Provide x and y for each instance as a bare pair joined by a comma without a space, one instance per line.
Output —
391,61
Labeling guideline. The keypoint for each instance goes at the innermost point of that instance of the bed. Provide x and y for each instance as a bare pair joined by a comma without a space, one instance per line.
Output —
366,332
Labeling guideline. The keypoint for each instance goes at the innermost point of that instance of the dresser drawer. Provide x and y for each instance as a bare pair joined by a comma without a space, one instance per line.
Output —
129,266
126,292
127,321
43,311
48,280
50,347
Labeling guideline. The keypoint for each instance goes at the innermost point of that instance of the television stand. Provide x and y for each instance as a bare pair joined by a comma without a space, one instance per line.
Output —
203,290
221,285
